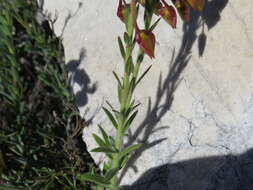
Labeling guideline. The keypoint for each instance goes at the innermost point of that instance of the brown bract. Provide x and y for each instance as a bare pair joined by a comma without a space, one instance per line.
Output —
168,13
122,11
146,41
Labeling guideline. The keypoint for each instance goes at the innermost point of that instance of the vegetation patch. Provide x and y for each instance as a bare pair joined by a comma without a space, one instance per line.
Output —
40,127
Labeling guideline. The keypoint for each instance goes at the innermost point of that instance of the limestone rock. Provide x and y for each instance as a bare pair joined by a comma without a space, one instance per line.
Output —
196,102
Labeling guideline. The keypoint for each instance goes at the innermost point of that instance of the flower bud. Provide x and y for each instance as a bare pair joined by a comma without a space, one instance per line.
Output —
182,8
168,13
123,11
146,41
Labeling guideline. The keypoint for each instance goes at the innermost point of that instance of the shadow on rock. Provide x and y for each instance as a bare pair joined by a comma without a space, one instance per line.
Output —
211,173
168,84
80,77
209,17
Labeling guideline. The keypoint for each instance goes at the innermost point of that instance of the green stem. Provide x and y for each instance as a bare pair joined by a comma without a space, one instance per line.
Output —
127,96
115,163
126,92
121,120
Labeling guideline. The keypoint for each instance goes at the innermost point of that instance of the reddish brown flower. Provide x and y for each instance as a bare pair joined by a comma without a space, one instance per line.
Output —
146,41
168,13
182,8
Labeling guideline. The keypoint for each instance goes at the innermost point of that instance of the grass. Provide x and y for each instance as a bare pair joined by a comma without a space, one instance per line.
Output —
40,127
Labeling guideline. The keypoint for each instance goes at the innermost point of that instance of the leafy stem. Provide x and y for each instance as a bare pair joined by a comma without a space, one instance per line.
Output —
122,119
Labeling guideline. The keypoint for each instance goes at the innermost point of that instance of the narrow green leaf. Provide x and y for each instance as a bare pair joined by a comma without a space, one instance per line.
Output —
116,113
132,85
22,161
11,59
140,57
121,47
123,160
112,141
15,151
128,111
126,38
105,168
93,178
10,98
154,25
3,21
145,72
104,134
134,107
117,78
109,155
99,141
6,30
5,187
130,120
108,103
129,149
104,149
119,94
132,103
110,116
111,173
129,65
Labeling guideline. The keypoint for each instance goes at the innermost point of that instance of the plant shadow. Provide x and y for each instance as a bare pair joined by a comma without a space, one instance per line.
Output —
168,85
230,172
80,77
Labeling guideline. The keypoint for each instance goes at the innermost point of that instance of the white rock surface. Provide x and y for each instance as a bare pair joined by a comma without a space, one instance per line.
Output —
196,103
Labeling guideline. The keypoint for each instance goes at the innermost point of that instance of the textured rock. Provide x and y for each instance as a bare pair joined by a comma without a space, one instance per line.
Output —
196,108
